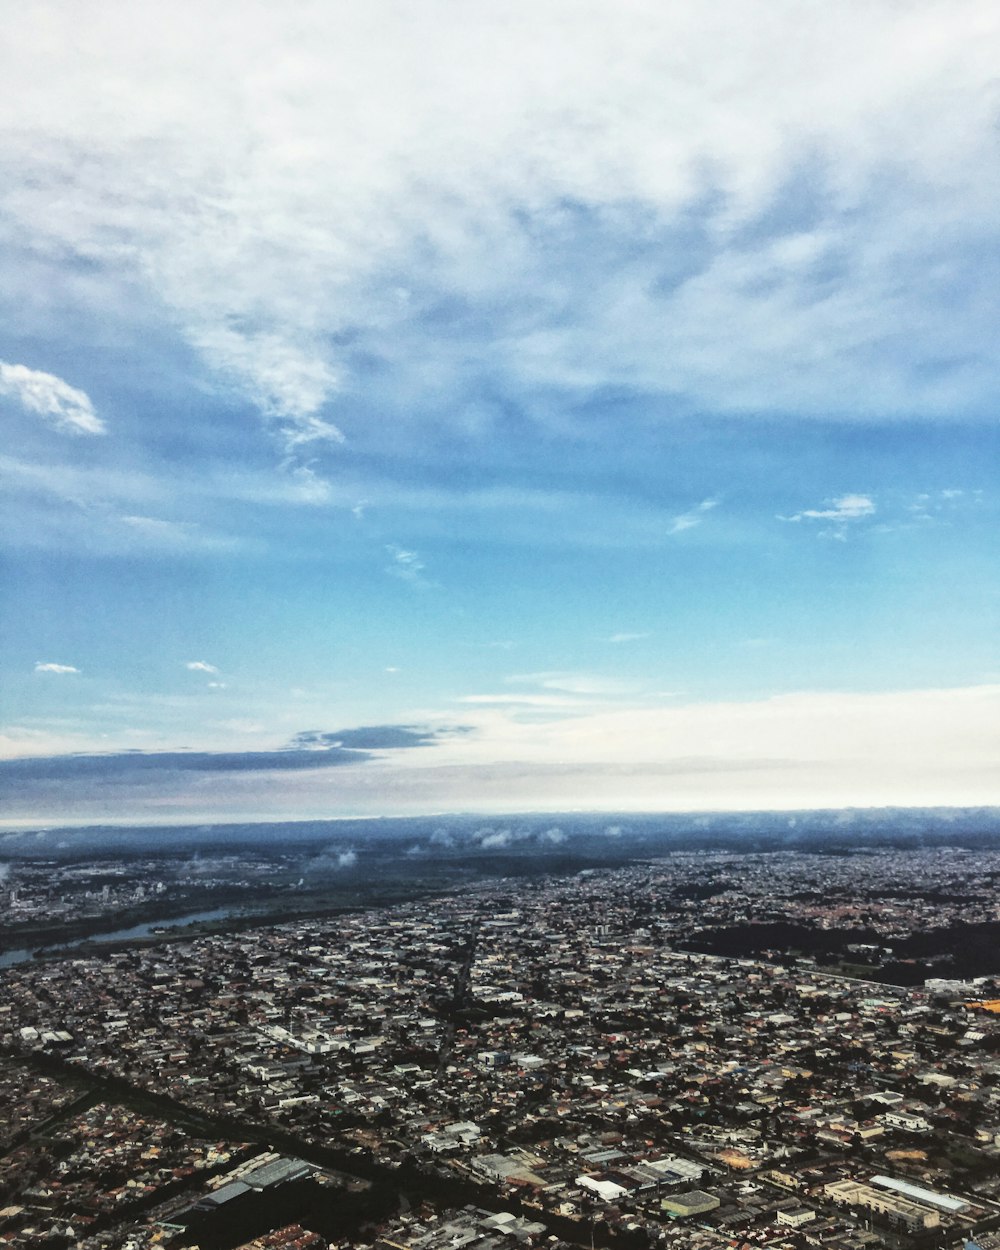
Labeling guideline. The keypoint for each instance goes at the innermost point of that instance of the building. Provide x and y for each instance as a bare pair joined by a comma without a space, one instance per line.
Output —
694,1202
896,1209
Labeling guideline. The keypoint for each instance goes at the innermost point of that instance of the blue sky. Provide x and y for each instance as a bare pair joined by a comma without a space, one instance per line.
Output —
596,405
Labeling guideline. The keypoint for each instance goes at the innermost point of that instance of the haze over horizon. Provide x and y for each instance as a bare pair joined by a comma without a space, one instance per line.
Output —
543,407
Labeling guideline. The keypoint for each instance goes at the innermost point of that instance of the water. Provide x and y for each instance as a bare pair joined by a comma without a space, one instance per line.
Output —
9,958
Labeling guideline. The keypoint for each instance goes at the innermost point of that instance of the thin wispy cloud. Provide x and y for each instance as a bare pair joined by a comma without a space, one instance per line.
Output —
571,683
688,520
168,535
49,397
508,699
312,429
627,637
406,565
41,667
944,504
200,666
310,487
289,380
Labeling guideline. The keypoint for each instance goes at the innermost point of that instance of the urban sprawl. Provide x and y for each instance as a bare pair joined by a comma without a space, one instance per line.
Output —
579,1060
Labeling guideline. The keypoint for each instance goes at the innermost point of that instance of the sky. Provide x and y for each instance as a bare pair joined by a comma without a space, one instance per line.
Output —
465,407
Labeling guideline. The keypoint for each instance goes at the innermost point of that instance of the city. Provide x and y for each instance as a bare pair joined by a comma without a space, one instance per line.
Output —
551,1059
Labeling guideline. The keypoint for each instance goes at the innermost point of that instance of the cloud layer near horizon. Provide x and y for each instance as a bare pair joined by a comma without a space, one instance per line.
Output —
923,748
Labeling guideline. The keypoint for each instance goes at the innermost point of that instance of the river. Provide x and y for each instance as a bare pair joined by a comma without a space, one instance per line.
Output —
22,954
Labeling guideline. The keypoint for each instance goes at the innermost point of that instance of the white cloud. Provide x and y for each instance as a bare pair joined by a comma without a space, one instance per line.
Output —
310,487
299,195
943,504
50,397
54,668
846,508
288,381
200,666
